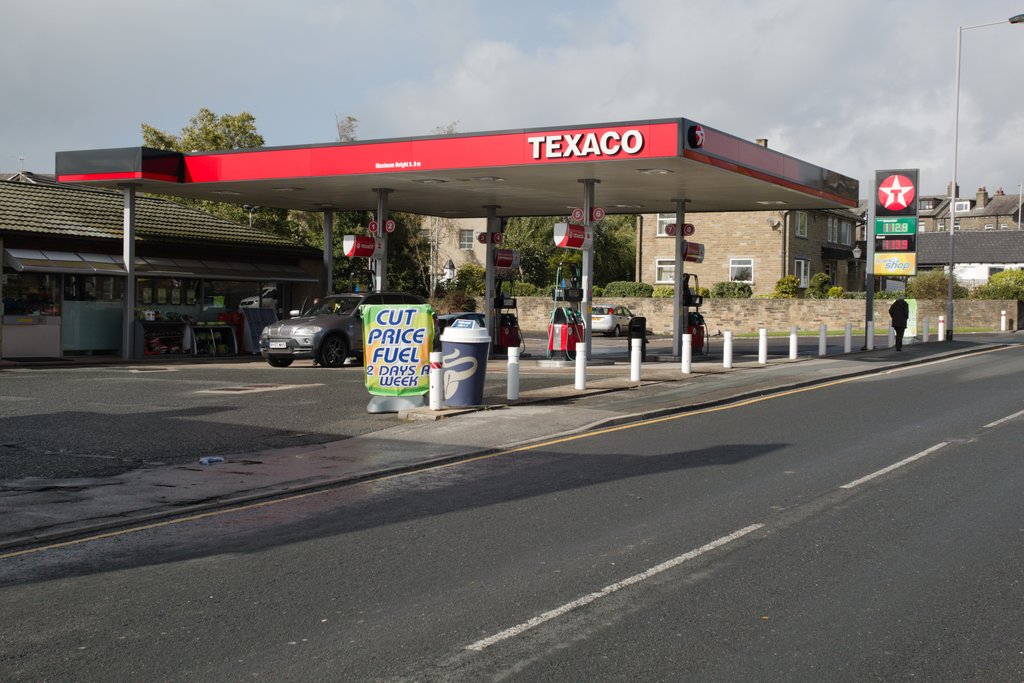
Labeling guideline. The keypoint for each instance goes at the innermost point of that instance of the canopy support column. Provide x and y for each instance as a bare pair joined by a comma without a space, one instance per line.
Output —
493,226
328,251
681,317
380,262
586,306
128,253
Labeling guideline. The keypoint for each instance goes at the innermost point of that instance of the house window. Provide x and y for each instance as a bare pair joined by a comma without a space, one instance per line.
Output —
846,233
830,270
800,230
833,229
927,204
995,269
466,239
962,207
741,270
990,226
664,271
663,220
802,270
1003,226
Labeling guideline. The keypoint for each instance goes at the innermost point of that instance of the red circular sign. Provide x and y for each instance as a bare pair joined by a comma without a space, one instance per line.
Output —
373,226
389,225
577,215
670,229
481,237
896,192
688,229
597,214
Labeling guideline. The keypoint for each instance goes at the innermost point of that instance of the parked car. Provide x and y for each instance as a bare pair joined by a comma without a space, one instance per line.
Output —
329,332
610,320
267,299
446,319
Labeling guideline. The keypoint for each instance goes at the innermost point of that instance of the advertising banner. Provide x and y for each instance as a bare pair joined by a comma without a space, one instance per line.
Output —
895,264
396,349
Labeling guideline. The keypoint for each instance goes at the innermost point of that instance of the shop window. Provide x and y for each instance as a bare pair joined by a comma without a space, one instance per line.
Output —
92,288
31,294
220,295
800,226
166,291
802,270
466,240
741,270
664,271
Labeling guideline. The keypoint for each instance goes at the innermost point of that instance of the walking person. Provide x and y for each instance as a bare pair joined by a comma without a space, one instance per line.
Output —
899,312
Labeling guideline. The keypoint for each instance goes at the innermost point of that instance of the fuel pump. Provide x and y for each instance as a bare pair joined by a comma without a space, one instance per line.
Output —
565,329
695,325
506,321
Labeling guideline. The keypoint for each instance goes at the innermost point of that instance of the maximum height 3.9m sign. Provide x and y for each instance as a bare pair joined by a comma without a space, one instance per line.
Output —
896,220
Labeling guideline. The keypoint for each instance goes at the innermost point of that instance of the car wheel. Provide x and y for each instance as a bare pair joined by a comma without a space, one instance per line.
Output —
280,362
617,331
333,352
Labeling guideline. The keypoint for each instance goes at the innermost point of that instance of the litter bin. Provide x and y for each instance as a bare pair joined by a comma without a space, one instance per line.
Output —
464,349
637,330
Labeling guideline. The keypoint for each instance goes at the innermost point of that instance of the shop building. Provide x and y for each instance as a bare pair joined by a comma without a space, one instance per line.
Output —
204,285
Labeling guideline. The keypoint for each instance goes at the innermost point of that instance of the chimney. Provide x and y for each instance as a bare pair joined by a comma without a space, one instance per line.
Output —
981,197
762,141
949,191
1000,193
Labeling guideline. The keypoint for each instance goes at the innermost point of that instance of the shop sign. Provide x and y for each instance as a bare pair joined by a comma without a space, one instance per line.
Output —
896,264
506,258
693,252
582,145
396,347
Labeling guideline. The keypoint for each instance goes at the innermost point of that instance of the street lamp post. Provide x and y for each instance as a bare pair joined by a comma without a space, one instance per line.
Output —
1016,19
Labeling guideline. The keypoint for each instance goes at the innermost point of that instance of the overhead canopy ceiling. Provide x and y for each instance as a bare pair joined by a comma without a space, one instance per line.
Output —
642,167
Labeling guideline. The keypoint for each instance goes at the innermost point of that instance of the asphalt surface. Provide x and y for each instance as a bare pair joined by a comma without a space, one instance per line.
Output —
133,455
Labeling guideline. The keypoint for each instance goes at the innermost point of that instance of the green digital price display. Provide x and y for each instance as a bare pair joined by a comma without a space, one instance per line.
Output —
899,225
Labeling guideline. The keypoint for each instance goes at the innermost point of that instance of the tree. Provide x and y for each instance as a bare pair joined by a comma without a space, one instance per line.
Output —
207,132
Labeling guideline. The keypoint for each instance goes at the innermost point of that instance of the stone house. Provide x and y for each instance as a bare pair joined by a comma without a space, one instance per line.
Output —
758,248
985,212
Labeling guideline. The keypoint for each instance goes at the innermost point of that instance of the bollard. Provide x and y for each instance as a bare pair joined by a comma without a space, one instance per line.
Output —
762,346
891,338
822,340
926,331
581,368
727,350
941,336
848,338
1002,321
793,342
687,353
634,359
870,346
436,381
513,374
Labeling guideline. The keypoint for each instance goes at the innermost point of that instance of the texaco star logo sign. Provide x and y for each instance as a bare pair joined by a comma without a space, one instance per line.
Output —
896,192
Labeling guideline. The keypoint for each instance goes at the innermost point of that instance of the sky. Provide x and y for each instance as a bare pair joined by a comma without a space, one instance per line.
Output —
852,86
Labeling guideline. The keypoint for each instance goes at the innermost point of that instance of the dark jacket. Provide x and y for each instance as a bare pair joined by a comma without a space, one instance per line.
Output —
899,312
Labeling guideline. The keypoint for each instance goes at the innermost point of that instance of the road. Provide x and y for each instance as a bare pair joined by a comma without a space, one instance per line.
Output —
867,529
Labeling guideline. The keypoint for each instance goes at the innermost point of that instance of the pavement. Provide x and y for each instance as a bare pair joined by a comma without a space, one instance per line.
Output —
39,512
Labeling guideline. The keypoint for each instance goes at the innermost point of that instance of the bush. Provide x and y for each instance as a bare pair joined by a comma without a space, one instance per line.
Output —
1008,284
469,278
626,288
819,286
836,293
663,291
933,284
786,287
598,291
731,290
453,301
528,289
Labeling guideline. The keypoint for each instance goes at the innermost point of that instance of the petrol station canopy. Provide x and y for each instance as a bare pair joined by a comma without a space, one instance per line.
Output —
640,166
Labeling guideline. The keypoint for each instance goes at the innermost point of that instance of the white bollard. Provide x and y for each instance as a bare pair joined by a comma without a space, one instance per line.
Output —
581,368
727,350
436,381
513,374
635,353
687,353
762,346
1002,321
870,336
926,331
941,336
848,338
822,340
891,339
793,342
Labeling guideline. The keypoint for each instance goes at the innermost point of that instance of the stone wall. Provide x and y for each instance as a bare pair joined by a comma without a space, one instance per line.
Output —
747,315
